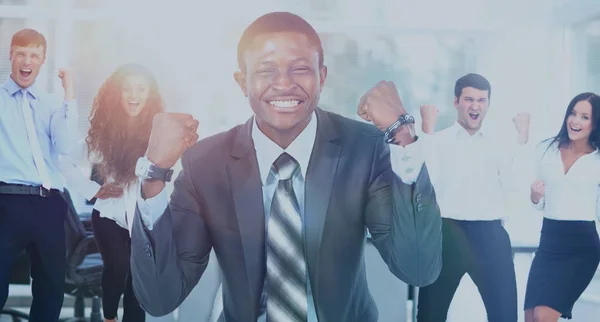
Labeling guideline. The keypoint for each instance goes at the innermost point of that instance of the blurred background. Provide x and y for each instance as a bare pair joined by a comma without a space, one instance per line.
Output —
537,54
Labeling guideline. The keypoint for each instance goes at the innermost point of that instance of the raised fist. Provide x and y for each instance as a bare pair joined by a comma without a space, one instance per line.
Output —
172,134
429,114
67,77
538,190
381,105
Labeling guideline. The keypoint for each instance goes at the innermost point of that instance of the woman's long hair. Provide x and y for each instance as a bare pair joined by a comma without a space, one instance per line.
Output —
109,137
562,138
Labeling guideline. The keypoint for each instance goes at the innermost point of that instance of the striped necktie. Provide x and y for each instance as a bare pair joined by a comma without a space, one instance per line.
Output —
286,265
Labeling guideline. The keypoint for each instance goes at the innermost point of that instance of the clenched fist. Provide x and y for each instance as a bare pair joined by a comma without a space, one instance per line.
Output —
67,77
171,134
381,105
429,114
538,189
521,122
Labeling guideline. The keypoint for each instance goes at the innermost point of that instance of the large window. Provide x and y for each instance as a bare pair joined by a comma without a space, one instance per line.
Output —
423,66
587,55
14,2
7,28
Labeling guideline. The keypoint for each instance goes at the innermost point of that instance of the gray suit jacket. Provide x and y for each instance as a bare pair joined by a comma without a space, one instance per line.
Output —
350,186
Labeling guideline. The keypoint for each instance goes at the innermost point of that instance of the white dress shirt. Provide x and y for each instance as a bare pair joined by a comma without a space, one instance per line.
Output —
267,152
121,209
571,196
471,174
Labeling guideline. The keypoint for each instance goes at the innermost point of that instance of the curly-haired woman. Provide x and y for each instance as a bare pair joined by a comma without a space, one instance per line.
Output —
120,124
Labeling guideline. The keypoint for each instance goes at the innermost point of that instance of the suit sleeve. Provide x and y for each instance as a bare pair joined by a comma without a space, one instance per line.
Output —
168,261
404,221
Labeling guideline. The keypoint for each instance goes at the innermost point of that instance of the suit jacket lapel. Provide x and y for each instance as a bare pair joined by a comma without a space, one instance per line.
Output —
319,182
246,189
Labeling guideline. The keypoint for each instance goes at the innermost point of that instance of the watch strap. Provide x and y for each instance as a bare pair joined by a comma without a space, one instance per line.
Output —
162,174
392,129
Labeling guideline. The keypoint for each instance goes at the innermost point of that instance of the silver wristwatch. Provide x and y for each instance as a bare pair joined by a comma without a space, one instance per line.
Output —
145,169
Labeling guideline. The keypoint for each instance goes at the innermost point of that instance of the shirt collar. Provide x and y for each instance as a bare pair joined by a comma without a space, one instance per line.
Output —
12,87
268,151
462,133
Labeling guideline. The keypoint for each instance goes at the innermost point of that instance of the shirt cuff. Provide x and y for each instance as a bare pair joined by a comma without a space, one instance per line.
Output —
407,161
151,209
90,189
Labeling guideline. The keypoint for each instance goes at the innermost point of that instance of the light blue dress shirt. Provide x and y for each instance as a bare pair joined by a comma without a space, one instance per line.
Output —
56,127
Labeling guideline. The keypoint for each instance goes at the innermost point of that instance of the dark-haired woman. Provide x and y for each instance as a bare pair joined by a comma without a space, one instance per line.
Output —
566,189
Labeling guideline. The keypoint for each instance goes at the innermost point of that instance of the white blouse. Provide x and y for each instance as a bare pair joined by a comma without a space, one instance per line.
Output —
571,196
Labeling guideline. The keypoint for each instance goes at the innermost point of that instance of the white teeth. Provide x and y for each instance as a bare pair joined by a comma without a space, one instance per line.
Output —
289,103
26,70
133,102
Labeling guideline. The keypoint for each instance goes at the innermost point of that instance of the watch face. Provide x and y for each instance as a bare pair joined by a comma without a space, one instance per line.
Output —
141,169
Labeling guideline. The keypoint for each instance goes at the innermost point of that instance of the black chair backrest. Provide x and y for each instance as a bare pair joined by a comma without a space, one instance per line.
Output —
74,229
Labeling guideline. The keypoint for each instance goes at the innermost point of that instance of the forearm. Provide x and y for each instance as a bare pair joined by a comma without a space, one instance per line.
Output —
170,253
64,128
151,188
405,225
161,279
416,233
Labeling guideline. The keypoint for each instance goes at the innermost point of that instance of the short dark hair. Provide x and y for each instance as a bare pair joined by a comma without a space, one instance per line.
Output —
472,80
277,22
28,37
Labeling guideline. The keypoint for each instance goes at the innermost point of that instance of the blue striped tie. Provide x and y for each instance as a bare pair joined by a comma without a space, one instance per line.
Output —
286,265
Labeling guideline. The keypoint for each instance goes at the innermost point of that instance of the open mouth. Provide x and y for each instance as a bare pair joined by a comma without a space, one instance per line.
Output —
25,72
574,129
133,104
286,104
474,116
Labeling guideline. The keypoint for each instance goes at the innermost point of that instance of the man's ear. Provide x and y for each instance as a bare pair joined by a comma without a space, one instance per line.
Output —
44,53
456,101
240,78
323,76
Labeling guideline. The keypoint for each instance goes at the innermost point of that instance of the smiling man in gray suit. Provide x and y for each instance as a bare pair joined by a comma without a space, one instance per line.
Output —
285,199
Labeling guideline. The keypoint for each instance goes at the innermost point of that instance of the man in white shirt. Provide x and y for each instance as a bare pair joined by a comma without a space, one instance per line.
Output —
470,171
